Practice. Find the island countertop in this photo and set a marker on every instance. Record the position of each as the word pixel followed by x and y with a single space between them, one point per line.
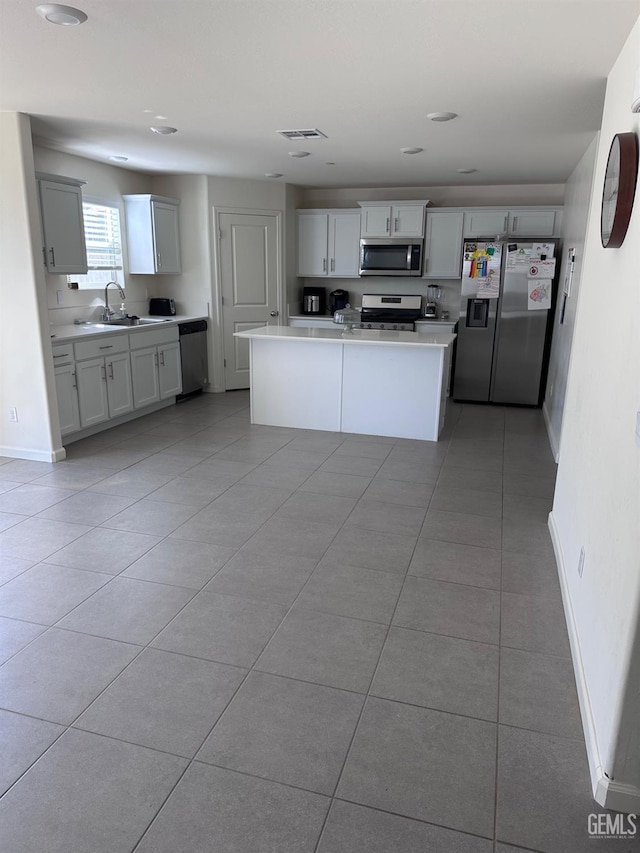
pixel 378 337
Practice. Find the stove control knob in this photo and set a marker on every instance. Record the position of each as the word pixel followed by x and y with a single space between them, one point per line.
pixel 395 325
pixel 368 325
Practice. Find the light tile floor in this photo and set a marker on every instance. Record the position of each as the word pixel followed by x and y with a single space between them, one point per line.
pixel 221 637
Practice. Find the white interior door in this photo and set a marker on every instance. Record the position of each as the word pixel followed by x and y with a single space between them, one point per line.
pixel 249 268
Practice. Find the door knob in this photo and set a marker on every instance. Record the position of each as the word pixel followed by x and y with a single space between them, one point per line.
pixel 273 313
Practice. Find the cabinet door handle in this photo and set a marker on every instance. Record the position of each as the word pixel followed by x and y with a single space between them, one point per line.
pixel 515 222
pixel 73 377
pixel 104 374
pixel 62 355
pixel 162 359
pixel 53 257
pixel 333 264
pixel 388 223
pixel 324 265
pixel 110 370
pixel 159 259
pixel 505 224
pixel 155 359
pixel 395 224
pixel 108 346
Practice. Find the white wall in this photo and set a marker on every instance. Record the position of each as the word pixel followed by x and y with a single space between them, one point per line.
pixel 470 196
pixel 108 183
pixel 575 222
pixel 597 500
pixel 26 369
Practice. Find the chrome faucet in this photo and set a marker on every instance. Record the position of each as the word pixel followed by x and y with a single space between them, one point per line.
pixel 107 314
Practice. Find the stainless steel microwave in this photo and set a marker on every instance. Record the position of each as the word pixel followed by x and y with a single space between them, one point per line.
pixel 392 257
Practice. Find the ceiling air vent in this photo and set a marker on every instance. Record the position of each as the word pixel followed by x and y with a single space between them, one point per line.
pixel 314 133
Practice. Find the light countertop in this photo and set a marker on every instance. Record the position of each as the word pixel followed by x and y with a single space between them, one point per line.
pixel 380 337
pixel 71 331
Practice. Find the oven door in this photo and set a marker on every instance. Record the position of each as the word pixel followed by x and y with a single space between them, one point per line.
pixel 391 257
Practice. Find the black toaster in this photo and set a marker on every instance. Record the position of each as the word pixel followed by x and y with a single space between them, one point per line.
pixel 162 307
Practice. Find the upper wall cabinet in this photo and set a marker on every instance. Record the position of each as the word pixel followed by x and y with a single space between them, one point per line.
pixel 62 224
pixel 393 219
pixel 153 239
pixel 443 243
pixel 328 243
pixel 491 222
pixel 532 223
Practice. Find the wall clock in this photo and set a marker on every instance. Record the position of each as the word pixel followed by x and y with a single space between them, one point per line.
pixel 618 190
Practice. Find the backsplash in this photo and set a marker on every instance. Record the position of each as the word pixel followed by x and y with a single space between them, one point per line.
pixel 450 300
pixel 66 306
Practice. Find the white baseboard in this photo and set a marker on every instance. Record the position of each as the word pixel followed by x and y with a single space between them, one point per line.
pixel 56 455
pixel 553 441
pixel 608 793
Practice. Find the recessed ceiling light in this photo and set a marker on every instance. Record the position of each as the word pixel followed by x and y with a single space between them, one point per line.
pixel 297 154
pixel 442 116
pixel 466 171
pixel 118 158
pixel 161 118
pixel 64 16
pixel 414 150
pixel 164 130
pixel 273 174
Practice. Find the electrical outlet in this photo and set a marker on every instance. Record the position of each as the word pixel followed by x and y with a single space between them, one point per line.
pixel 60 297
pixel 13 414
pixel 581 563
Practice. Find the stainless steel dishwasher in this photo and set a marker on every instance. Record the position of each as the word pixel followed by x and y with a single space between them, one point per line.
pixel 193 355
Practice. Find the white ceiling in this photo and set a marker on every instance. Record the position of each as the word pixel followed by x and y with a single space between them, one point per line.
pixel 526 77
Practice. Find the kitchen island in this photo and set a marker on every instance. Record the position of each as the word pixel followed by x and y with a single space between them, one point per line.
pixel 365 381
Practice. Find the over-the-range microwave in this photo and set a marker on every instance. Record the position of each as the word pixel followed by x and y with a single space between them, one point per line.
pixel 393 257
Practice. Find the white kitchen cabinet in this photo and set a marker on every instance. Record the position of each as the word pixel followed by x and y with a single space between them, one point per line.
pixel 396 219
pixel 328 243
pixel 64 247
pixel 169 370
pixel 144 375
pixel 517 222
pixel 443 243
pixel 155 365
pixel 67 393
pixel 104 388
pixel 486 223
pixel 153 238
pixel 532 223
pixel 103 373
pixel 92 391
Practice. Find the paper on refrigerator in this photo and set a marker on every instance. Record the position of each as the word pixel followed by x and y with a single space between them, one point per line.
pixel 539 295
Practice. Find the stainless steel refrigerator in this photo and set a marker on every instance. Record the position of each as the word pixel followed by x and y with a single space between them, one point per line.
pixel 506 315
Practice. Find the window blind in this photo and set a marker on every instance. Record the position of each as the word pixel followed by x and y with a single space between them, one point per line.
pixel 102 236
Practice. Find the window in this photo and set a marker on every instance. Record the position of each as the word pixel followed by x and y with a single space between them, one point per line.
pixel 104 244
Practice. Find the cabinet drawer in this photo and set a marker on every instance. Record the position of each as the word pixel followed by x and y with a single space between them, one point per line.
pixel 62 354
pixel 153 337
pixel 101 346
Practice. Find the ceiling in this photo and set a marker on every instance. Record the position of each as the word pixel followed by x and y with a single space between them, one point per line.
pixel 526 78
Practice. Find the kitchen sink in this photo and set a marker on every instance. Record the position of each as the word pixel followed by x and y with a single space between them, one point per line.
pixel 135 321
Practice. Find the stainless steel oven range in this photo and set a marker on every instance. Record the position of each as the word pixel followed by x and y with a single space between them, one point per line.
pixel 397 312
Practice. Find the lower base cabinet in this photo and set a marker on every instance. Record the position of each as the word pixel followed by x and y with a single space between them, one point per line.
pixel 104 388
pixel 98 379
pixel 67 393
pixel 156 374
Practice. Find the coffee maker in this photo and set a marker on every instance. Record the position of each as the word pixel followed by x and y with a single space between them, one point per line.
pixel 338 299
pixel 314 300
